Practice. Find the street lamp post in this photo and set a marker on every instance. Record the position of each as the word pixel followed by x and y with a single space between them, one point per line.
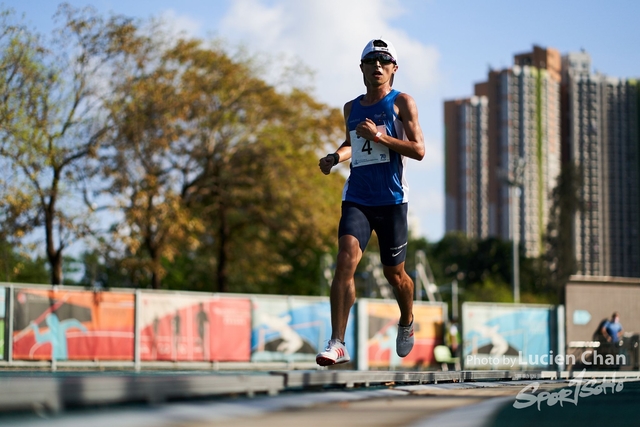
pixel 514 236
pixel 514 181
pixel 454 300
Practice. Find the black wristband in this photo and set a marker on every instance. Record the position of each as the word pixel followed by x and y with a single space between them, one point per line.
pixel 336 158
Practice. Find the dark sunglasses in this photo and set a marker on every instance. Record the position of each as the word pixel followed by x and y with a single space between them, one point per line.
pixel 382 58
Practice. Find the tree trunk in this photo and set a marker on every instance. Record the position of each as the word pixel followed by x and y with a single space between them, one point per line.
pixel 54 256
pixel 155 280
pixel 56 269
pixel 223 238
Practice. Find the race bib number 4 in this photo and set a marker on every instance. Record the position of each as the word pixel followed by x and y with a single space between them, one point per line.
pixel 365 152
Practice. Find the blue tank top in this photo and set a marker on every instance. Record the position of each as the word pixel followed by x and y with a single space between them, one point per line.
pixel 377 175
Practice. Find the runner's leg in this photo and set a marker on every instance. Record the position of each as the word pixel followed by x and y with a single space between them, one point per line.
pixel 402 289
pixel 343 288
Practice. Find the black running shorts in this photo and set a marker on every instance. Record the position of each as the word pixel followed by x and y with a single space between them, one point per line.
pixel 389 223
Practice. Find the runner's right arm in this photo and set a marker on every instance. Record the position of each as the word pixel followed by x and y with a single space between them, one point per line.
pixel 344 151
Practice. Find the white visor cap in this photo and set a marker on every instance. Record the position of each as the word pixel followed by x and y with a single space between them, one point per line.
pixel 380 45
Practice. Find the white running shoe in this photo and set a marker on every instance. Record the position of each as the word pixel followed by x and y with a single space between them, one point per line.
pixel 404 340
pixel 334 354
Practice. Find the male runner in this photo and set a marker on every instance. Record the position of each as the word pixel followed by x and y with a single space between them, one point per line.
pixel 382 131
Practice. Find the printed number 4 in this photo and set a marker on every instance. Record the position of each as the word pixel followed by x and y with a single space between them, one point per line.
pixel 367 147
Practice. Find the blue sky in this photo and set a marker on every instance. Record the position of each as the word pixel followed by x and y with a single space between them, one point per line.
pixel 444 47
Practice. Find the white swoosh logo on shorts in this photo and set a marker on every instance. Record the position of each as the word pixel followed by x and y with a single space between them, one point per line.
pixel 401 247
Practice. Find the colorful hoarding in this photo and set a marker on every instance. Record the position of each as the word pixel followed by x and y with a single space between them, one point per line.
pixel 506 336
pixel 194 327
pixel 72 325
pixel 293 329
pixel 3 292
pixel 380 320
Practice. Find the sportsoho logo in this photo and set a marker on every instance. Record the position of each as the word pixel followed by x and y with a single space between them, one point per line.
pixel 581 389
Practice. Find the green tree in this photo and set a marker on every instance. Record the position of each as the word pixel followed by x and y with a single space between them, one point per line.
pixel 293 208
pixel 481 267
pixel 269 213
pixel 17 69
pixel 559 261
pixel 143 168
pixel 216 169
pixel 52 126
pixel 484 269
pixel 18 267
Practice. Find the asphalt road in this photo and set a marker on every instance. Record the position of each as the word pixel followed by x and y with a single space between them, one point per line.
pixel 458 404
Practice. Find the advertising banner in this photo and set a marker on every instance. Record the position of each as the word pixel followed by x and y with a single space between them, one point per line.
pixel 506 336
pixel 72 325
pixel 192 327
pixel 1 339
pixel 293 329
pixel 3 304
pixel 381 321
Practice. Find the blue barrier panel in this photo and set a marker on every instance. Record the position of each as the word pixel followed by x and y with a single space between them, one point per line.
pixel 293 329
pixel 507 336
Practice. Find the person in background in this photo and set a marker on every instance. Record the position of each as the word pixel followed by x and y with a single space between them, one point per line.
pixel 453 338
pixel 612 329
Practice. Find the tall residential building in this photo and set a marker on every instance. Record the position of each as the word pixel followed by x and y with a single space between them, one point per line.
pixel 602 140
pixel 540 141
pixel 467 168
pixel 584 142
pixel 621 177
pixel 523 128
pixel 544 112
